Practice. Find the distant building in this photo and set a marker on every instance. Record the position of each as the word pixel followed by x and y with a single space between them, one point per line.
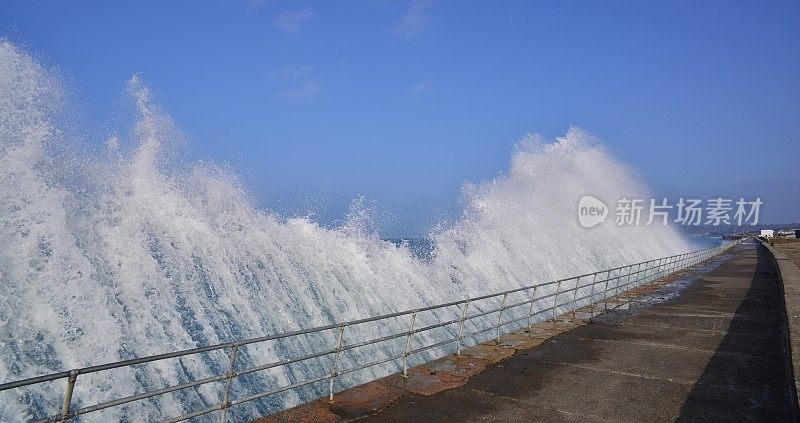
pixel 767 233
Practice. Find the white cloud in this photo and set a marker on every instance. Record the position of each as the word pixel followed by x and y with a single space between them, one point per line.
pixel 421 87
pixel 292 21
pixel 307 90
pixel 415 20
pixel 289 72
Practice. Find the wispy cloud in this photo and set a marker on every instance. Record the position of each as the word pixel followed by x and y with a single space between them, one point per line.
pixel 421 87
pixel 291 21
pixel 289 72
pixel 254 5
pixel 415 20
pixel 307 90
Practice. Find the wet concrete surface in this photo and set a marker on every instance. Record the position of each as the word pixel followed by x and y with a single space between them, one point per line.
pixel 716 352
pixel 709 345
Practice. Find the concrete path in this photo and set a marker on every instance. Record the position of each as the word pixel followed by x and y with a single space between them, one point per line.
pixel 718 352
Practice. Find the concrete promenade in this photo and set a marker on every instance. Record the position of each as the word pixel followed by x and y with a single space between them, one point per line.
pixel 717 352
pixel 707 344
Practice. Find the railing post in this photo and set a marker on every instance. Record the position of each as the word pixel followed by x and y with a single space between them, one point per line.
pixel 631 278
pixel 500 317
pixel 408 343
pixel 619 280
pixel 627 279
pixel 639 275
pixel 591 293
pixel 530 308
pixel 657 268
pixel 645 275
pixel 335 361
pixel 461 327
pixel 555 300
pixel 73 376
pixel 653 270
pixel 223 417
pixel 605 290
pixel 575 295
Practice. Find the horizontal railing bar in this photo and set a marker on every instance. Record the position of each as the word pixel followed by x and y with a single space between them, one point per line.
pixel 278 390
pixel 515 305
pixel 519 319
pixel 370 364
pixel 193 415
pixel 144 395
pixel 165 356
pixel 281 363
pixel 232 403
pixel 34 380
pixel 552 294
pixel 438 344
pixel 181 353
pixel 204 381
pixel 470 335
pixel 434 326
pixel 586 296
pixel 484 313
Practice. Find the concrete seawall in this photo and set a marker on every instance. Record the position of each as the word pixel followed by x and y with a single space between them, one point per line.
pixel 790 279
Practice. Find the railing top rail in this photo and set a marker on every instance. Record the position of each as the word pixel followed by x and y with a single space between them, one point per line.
pixel 198 350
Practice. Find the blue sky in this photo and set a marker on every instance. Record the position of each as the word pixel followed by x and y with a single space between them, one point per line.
pixel 315 103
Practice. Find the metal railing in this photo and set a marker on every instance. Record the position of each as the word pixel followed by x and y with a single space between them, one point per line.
pixel 471 324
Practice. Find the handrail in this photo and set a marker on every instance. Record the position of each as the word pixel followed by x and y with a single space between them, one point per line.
pixel 644 272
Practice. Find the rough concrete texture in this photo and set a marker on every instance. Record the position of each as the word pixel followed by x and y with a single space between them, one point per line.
pixel 711 346
pixel 790 247
pixel 790 277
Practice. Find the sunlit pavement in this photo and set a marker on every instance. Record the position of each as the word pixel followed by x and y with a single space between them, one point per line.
pixel 711 346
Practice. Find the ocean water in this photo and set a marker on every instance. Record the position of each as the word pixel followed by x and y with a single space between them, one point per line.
pixel 702 241
pixel 122 253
